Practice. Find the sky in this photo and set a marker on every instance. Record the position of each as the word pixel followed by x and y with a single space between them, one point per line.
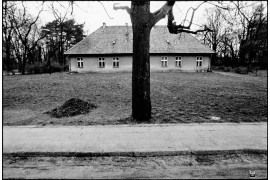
pixel 94 13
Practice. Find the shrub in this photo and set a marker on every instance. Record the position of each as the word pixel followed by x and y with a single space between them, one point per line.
pixel 42 67
pixel 215 68
pixel 66 68
pixel 221 68
pixel 241 70
pixel 56 67
pixel 37 68
pixel 29 68
pixel 228 69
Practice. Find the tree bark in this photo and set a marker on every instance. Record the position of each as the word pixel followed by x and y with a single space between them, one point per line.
pixel 141 26
pixel 8 59
pixel 23 63
pixel 142 22
pixel 24 57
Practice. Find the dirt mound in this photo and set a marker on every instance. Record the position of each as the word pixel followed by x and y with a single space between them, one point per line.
pixel 72 107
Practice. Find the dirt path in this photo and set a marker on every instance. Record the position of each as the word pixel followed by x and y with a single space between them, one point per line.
pixel 188 166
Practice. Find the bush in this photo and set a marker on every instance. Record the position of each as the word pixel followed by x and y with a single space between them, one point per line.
pixel 66 68
pixel 33 68
pixel 241 70
pixel 228 69
pixel 42 67
pixel 29 68
pixel 56 67
pixel 218 68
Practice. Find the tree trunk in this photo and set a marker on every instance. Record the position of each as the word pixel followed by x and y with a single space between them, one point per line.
pixel 214 57
pixel 23 67
pixel 141 104
pixel 8 59
pixel 23 62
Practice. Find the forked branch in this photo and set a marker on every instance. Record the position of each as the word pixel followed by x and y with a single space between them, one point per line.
pixel 176 29
pixel 162 12
pixel 192 15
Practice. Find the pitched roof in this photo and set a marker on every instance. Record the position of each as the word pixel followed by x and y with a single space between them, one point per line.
pixel 102 42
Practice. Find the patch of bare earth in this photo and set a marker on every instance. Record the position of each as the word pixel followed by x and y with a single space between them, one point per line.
pixel 176 97
pixel 72 107
pixel 228 166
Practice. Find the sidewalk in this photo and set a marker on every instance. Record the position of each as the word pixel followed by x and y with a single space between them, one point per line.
pixel 169 138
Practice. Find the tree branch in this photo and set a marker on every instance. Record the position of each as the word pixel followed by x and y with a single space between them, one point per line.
pixel 239 11
pixel 56 16
pixel 121 7
pixel 179 30
pixel 30 26
pixel 105 10
pixel 162 12
pixel 221 7
pixel 176 29
pixel 36 42
pixel 192 16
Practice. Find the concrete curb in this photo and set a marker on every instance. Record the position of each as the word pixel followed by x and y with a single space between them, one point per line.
pixel 141 125
pixel 134 154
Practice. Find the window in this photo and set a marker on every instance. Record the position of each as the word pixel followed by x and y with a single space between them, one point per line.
pixel 101 62
pixel 164 61
pixel 80 62
pixel 199 61
pixel 178 61
pixel 116 62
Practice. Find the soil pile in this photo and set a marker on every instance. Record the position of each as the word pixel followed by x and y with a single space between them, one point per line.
pixel 72 107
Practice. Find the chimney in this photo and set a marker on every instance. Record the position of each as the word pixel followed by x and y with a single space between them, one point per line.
pixel 104 25
pixel 127 29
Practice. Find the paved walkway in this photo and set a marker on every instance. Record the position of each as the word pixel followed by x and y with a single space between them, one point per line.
pixel 135 138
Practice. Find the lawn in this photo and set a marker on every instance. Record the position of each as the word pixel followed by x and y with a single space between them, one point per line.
pixel 176 97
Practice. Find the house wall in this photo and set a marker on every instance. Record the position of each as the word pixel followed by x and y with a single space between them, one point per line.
pixel 125 63
pixel 91 64
pixel 188 63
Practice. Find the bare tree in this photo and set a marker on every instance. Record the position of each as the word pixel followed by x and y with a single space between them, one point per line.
pixel 8 30
pixel 60 19
pixel 142 22
pixel 25 25
pixel 214 22
pixel 252 33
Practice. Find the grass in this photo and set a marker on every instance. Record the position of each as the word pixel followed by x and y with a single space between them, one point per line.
pixel 176 97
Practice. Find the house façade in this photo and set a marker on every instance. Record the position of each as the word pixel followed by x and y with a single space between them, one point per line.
pixel 109 49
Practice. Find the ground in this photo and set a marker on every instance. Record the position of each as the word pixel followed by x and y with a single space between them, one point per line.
pixel 177 97
pixel 178 167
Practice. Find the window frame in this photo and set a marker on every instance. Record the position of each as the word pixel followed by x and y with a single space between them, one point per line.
pixel 199 61
pixel 115 60
pixel 79 62
pixel 101 60
pixel 164 59
pixel 178 61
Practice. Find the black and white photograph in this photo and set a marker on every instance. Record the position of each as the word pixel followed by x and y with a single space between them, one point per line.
pixel 134 89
